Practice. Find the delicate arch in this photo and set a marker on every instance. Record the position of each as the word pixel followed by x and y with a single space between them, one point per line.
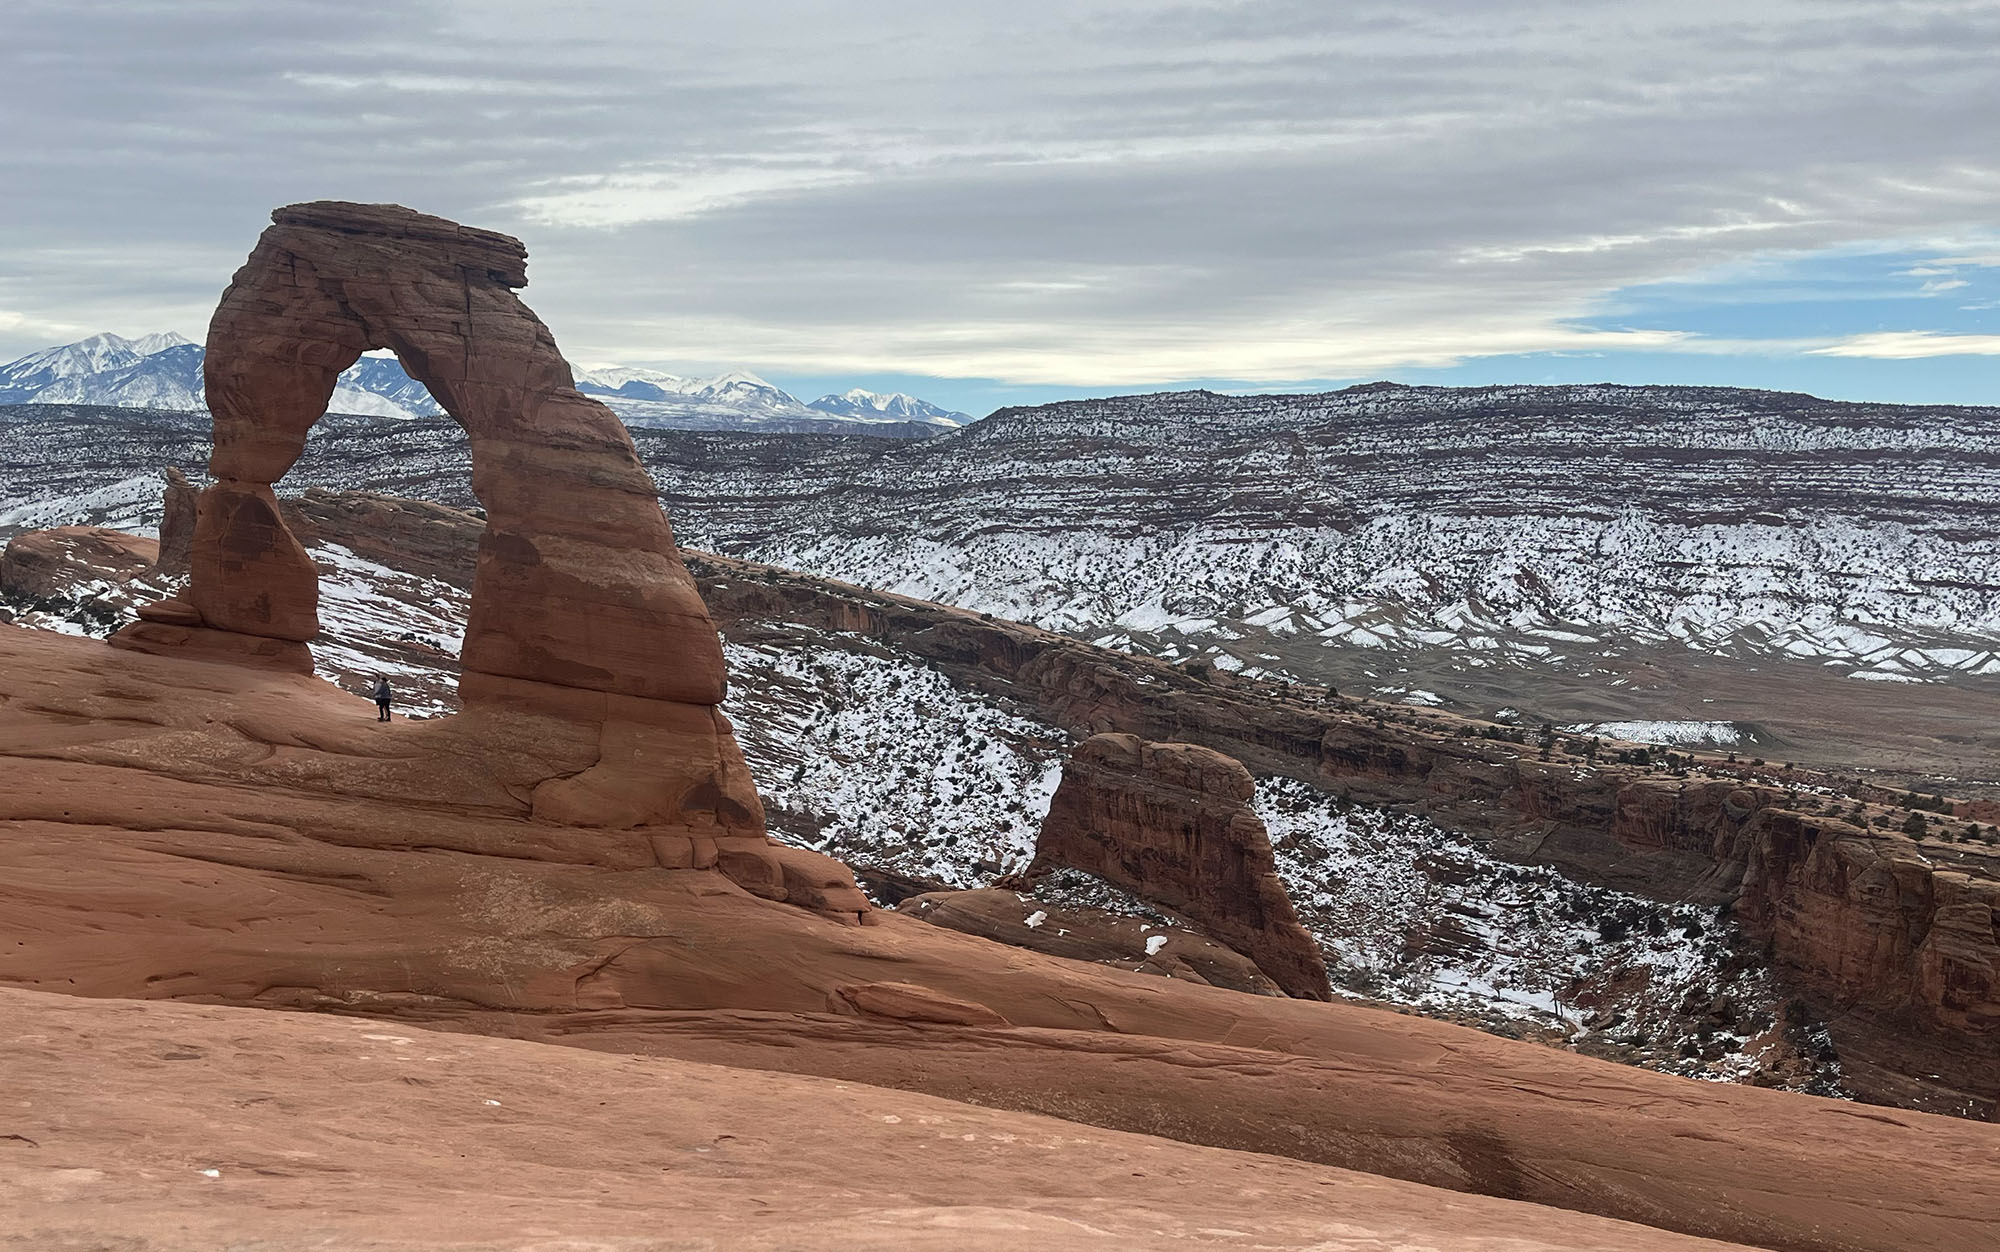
pixel 578 582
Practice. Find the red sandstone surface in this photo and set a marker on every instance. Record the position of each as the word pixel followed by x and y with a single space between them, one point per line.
pixel 176 1128
pixel 181 829
pixel 579 859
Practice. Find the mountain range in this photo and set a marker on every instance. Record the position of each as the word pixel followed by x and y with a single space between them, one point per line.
pixel 163 371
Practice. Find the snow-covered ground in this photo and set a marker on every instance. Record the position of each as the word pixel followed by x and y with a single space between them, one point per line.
pixel 1674 734
pixel 1408 912
pixel 378 622
pixel 1540 527
pixel 1877 599
pixel 879 758
pixel 129 504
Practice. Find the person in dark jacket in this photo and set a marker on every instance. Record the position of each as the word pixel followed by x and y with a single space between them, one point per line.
pixel 381 698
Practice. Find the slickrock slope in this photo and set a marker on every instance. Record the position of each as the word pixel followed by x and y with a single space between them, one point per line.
pixel 174 1128
pixel 175 828
pixel 1172 823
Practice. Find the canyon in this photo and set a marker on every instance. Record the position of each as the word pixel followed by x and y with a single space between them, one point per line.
pixel 1886 942
pixel 573 873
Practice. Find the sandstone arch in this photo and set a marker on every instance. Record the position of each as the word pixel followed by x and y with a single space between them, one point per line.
pixel 584 622
pixel 578 582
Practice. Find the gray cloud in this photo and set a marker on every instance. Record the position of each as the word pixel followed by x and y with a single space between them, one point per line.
pixel 1088 193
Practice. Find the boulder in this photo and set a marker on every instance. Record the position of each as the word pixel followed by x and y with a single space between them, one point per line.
pixel 1090 934
pixel 1172 823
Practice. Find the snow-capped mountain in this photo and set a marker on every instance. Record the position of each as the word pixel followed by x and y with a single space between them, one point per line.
pixel 740 400
pixel 737 391
pixel 160 341
pixel 376 385
pixel 169 378
pixel 163 371
pixel 23 380
pixel 855 402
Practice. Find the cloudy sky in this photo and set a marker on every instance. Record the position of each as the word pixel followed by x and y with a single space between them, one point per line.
pixel 1012 201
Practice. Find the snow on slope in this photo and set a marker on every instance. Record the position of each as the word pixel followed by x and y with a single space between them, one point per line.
pixel 879 759
pixel 130 504
pixel 1673 734
pixel 1538 525
pixel 370 616
pixel 856 402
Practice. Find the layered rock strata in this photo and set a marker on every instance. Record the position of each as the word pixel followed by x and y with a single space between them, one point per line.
pixel 1893 944
pixel 1172 824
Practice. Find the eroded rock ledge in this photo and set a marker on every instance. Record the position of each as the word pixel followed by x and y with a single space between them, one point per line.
pixel 1172 823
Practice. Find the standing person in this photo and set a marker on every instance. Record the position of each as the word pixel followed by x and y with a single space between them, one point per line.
pixel 381 698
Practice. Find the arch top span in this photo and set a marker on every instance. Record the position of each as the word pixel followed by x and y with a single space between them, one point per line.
pixel 578 583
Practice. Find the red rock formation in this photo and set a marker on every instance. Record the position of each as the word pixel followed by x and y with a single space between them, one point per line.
pixel 578 582
pixel 177 517
pixel 1172 823
pixel 581 609
pixel 397 1139
pixel 174 830
pixel 42 564
pixel 1853 914
pixel 1900 1002
pixel 247 573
